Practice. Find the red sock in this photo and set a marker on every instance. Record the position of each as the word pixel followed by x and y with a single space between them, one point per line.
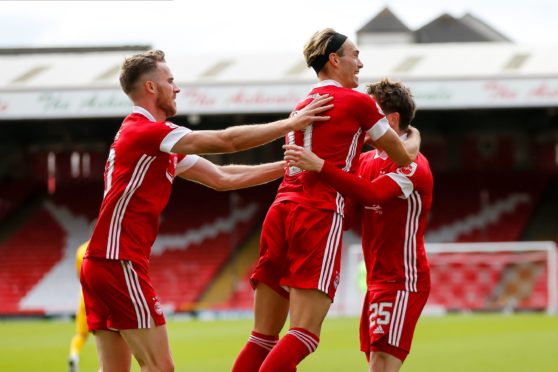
pixel 296 345
pixel 254 352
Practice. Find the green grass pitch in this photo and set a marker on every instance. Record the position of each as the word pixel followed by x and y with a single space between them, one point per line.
pixel 490 342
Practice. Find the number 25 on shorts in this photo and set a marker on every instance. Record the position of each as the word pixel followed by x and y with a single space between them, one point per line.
pixel 380 313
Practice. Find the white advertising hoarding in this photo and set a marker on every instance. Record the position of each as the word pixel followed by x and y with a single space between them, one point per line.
pixel 278 98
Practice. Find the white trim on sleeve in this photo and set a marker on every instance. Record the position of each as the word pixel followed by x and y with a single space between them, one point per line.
pixel 186 163
pixel 172 138
pixel 404 183
pixel 379 129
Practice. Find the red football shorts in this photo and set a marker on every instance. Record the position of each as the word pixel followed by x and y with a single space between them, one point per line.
pixel 300 247
pixel 118 295
pixel 388 321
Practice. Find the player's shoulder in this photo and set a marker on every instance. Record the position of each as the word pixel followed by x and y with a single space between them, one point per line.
pixel 364 103
pixel 142 126
pixel 367 162
pixel 358 96
pixel 420 168
pixel 422 162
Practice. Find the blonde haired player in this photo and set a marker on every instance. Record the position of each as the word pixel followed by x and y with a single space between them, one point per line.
pixel 300 249
pixel 81 320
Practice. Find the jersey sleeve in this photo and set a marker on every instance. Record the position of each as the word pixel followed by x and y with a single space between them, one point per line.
pixel 409 178
pixel 186 163
pixel 173 136
pixel 365 192
pixel 374 120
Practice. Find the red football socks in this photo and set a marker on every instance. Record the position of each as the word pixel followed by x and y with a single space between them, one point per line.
pixel 296 345
pixel 254 352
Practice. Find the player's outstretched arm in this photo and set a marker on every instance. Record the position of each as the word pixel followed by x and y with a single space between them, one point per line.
pixel 232 177
pixel 363 191
pixel 243 137
pixel 402 153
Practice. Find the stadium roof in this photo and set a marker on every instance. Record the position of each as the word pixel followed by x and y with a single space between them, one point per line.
pixel 447 28
pixel 445 75
pixel 90 70
pixel 386 27
pixel 79 49
pixel 385 21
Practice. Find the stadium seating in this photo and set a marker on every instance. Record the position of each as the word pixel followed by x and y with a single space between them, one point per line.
pixel 488 281
pixel 208 230
pixel 472 206
pixel 71 195
pixel 14 194
pixel 242 294
pixel 201 230
pixel 26 257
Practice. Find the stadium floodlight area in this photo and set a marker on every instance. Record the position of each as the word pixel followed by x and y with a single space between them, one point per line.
pixel 497 277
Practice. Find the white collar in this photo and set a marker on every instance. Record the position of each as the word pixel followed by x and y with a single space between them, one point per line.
pixel 140 110
pixel 382 154
pixel 324 83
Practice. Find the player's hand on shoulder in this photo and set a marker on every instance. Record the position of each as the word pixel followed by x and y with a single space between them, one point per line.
pixel 312 112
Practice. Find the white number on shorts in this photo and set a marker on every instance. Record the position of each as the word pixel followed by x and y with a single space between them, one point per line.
pixel 380 313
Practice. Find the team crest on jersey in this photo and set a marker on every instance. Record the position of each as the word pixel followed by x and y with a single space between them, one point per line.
pixel 408 171
pixel 336 280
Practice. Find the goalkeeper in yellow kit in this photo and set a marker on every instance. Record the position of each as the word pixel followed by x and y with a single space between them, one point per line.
pixel 81 321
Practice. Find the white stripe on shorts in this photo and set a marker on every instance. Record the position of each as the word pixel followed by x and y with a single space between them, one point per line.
pixel 332 244
pixel 399 311
pixel 136 294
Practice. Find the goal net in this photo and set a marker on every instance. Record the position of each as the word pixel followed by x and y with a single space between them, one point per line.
pixel 508 276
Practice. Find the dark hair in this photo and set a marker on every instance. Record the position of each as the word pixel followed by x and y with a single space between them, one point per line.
pixel 394 97
pixel 134 67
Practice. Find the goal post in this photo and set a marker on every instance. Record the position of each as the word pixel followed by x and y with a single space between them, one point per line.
pixel 492 276
pixel 510 275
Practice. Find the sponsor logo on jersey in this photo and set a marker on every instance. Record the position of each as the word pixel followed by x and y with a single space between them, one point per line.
pixel 376 208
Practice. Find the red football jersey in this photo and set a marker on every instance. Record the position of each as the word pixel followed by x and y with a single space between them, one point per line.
pixel 393 232
pixel 138 177
pixel 338 140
